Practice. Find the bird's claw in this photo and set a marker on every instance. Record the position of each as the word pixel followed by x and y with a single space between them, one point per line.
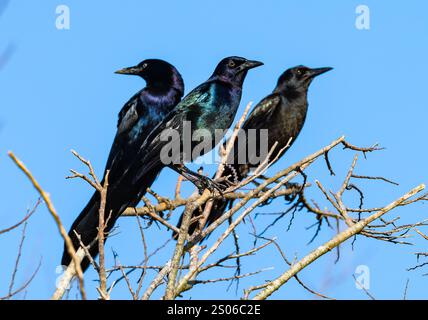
pixel 292 185
pixel 292 196
pixel 206 183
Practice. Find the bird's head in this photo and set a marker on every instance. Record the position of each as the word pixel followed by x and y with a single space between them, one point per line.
pixel 299 77
pixel 157 73
pixel 234 69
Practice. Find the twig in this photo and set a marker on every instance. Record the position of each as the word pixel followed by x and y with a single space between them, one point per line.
pixel 157 281
pixel 338 239
pixel 27 216
pixel 25 285
pixel 179 248
pixel 18 258
pixel 235 277
pixel 101 227
pixel 355 176
pixel 46 198
pixel 364 288
pixel 405 289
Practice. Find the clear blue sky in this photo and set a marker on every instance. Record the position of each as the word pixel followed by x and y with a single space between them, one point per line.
pixel 58 92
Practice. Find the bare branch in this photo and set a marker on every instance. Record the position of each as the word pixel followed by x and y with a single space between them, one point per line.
pixel 46 198
pixel 338 239
pixel 27 216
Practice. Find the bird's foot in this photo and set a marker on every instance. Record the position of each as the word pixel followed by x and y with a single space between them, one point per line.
pixel 203 182
pixel 292 185
pixel 296 187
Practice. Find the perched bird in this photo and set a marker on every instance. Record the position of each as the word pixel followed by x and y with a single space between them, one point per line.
pixel 138 117
pixel 209 107
pixel 283 114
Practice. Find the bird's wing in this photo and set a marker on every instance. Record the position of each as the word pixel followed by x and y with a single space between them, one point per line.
pixel 152 148
pixel 187 110
pixel 129 114
pixel 262 112
pixel 259 118
pixel 128 117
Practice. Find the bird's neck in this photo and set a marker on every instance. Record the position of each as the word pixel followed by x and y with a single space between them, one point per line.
pixel 161 97
pixel 235 82
pixel 294 94
pixel 163 94
pixel 158 88
pixel 232 89
pixel 163 87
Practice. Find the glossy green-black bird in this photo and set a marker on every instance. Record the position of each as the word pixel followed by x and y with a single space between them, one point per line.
pixel 139 116
pixel 209 108
pixel 282 113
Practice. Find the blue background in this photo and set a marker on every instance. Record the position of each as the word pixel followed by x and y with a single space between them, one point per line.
pixel 58 92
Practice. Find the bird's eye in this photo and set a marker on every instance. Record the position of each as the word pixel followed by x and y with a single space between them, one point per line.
pixel 301 72
pixel 144 65
pixel 232 64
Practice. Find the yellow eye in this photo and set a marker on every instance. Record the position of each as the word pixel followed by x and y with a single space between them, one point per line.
pixel 300 71
pixel 231 64
pixel 144 65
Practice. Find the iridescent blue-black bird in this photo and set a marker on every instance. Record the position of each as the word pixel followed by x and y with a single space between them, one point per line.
pixel 209 107
pixel 282 113
pixel 139 116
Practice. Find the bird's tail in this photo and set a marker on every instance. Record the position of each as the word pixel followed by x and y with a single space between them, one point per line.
pixel 86 226
pixel 119 197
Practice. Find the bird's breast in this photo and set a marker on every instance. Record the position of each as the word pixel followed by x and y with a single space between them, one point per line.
pixel 221 109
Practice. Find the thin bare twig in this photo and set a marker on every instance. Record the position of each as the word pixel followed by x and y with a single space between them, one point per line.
pixel 27 216
pixel 46 198
pixel 338 239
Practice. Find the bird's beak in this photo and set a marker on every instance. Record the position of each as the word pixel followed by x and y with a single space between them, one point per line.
pixel 130 70
pixel 249 64
pixel 319 71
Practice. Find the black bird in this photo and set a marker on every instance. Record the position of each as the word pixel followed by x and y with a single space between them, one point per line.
pixel 283 114
pixel 139 116
pixel 209 107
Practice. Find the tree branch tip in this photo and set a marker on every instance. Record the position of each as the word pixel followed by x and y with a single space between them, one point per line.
pixel 176 283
